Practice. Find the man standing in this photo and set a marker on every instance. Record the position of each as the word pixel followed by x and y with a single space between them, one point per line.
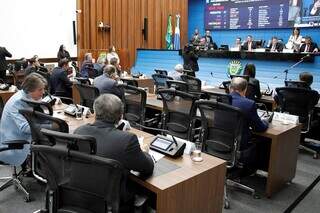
pixel 3 63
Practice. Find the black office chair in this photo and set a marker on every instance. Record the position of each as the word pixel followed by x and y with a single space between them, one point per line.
pixel 194 83
pixel 296 84
pixel 88 94
pixel 160 81
pixel 35 119
pixel 79 181
pixel 15 179
pixel 251 92
pixel 43 107
pixel 161 71
pixel 130 81
pixel 1 107
pixel 221 136
pixel 16 80
pixel 134 100
pixel 222 98
pixel 83 80
pixel 300 102
pixel 178 85
pixel 177 112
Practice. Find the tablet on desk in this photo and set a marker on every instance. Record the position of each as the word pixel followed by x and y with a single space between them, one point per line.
pixel 161 143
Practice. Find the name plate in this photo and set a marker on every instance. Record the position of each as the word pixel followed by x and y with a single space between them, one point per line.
pixel 285 118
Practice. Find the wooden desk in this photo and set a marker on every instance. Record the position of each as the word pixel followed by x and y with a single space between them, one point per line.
pixel 6 94
pixel 285 140
pixel 191 187
pixel 284 150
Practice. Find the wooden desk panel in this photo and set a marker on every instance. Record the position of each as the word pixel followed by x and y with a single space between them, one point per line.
pixel 5 95
pixel 193 187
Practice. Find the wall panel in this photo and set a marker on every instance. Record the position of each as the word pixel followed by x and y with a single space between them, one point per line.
pixel 126 20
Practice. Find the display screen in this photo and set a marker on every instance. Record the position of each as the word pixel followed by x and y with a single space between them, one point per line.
pixel 161 143
pixel 261 14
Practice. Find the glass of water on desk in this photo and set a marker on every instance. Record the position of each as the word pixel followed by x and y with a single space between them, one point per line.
pixel 196 152
pixel 79 114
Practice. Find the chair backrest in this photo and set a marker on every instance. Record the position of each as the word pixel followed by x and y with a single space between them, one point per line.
pixel 246 77
pixel 160 71
pixel 221 132
pixel 130 81
pixel 177 112
pixel 43 107
pixel 46 75
pixel 88 94
pixel 83 143
pixel 160 81
pixel 298 101
pixel 296 84
pixel 219 97
pixel 83 80
pixel 251 91
pixel 194 83
pixel 87 183
pixel 1 107
pixel 178 85
pixel 134 104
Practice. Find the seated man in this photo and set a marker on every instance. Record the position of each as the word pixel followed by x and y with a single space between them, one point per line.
pixel 13 125
pixel 209 44
pixel 113 143
pixel 60 83
pixel 275 45
pixel 306 77
pixel 107 82
pixel 33 65
pixel 309 46
pixel 176 74
pixel 238 89
pixel 249 45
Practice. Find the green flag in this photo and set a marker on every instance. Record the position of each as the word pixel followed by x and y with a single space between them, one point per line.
pixel 169 34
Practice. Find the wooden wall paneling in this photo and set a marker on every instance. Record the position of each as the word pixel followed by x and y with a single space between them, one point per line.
pixel 126 20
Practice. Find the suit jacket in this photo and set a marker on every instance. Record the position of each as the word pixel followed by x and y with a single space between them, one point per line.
pixel 311 48
pixel 278 48
pixel 3 54
pixel 119 145
pixel 249 108
pixel 245 45
pixel 107 85
pixel 60 83
pixel 190 61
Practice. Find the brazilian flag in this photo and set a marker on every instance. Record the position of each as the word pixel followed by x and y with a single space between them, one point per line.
pixel 169 34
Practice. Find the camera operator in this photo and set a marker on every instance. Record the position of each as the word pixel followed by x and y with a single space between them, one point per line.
pixel 190 59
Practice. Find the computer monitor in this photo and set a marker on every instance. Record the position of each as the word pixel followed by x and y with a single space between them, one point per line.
pixel 224 47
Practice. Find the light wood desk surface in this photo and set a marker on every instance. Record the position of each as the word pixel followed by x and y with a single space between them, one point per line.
pixel 192 187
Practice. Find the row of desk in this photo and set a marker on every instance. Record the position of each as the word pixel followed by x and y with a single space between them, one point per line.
pixel 188 187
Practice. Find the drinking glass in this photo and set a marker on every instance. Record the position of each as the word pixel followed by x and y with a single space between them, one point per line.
pixel 79 114
pixel 196 152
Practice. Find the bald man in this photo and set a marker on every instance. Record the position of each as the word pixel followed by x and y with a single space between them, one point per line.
pixel 238 88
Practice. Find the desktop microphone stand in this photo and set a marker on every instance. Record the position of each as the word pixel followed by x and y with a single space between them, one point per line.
pixel 286 71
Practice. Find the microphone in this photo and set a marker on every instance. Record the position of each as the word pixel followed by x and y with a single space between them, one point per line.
pixel 305 57
pixel 163 145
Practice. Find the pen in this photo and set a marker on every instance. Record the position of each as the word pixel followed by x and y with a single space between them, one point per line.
pixel 153 159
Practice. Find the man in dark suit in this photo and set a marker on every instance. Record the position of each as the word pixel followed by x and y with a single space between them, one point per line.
pixel 209 44
pixel 107 82
pixel 309 46
pixel 59 81
pixel 113 143
pixel 275 45
pixel 249 45
pixel 238 89
pixel 3 63
pixel 190 59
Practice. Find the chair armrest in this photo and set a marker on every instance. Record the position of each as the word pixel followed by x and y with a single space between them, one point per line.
pixel 16 144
